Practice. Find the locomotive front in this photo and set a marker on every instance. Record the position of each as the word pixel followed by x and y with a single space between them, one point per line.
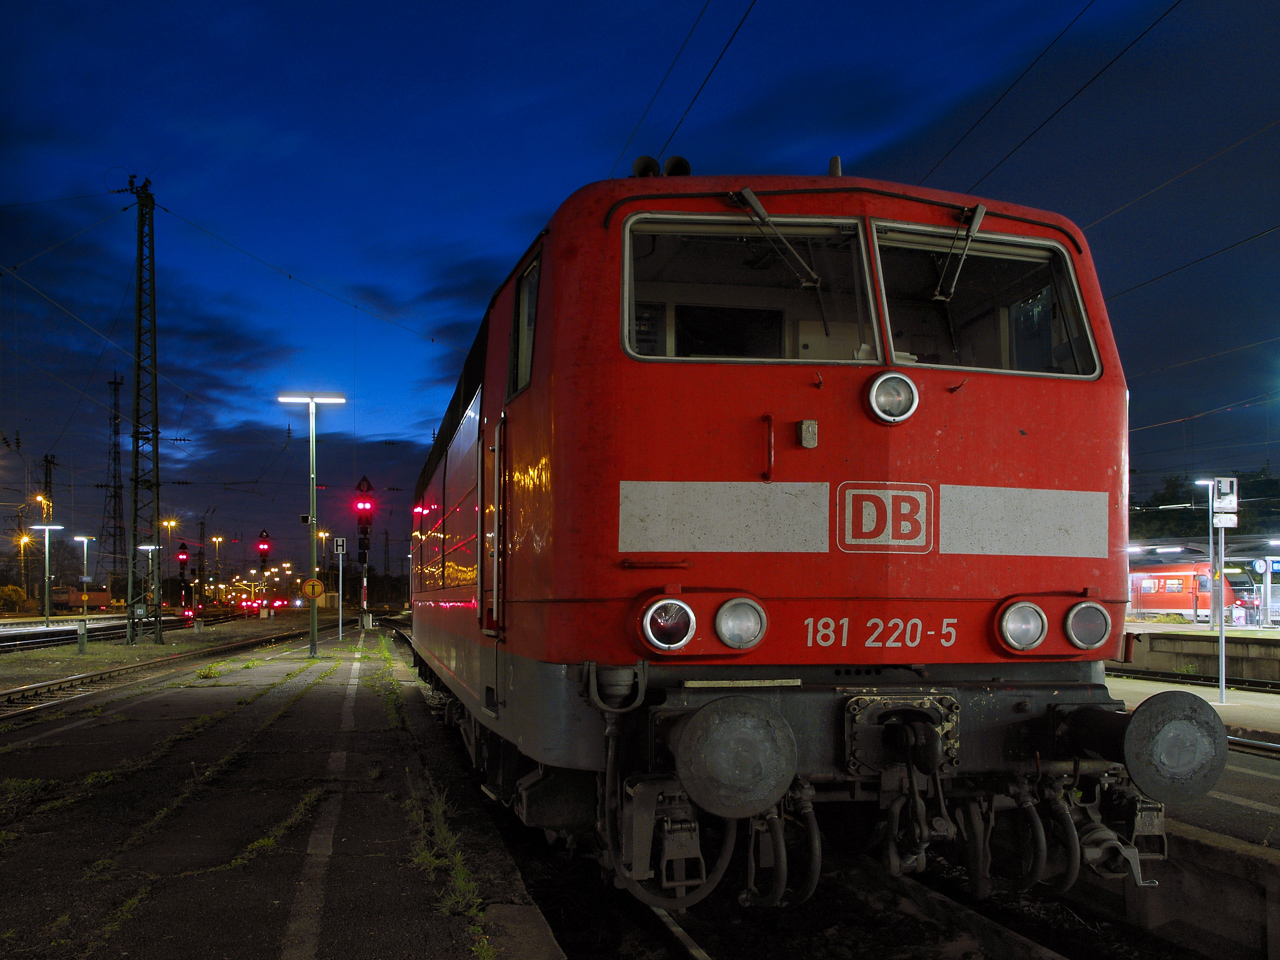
pixel 855 552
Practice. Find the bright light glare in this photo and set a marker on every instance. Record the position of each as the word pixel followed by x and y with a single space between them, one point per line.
pixel 312 398
pixel 1168 549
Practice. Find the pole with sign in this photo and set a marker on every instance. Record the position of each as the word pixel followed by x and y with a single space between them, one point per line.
pixel 340 548
pixel 1224 515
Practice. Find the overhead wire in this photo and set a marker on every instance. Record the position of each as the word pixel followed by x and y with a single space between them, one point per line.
pixel 1007 91
pixel 1207 256
pixel 94 369
pixel 125 350
pixel 1071 98
pixel 708 77
pixel 1239 404
pixel 33 203
pixel 623 152
pixel 1207 356
pixel 19 266
pixel 321 290
pixel 1191 169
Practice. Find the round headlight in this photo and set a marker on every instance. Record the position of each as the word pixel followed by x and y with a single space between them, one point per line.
pixel 1024 626
pixel 1088 625
pixel 669 624
pixel 893 396
pixel 740 623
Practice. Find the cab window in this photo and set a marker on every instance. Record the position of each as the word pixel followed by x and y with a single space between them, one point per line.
pixel 526 316
pixel 1000 305
pixel 728 290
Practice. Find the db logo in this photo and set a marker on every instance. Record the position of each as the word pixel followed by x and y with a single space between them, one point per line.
pixel 884 518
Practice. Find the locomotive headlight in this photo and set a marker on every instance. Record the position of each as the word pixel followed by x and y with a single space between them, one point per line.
pixel 1024 626
pixel 1088 625
pixel 740 623
pixel 669 624
pixel 893 396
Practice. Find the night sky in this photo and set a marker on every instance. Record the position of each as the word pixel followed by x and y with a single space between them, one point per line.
pixel 340 190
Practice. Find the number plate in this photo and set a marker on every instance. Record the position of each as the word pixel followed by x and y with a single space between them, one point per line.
pixel 877 633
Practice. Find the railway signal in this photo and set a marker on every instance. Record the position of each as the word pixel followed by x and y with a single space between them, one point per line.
pixel 264 549
pixel 364 526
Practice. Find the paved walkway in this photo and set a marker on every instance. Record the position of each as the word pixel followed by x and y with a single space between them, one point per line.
pixel 273 806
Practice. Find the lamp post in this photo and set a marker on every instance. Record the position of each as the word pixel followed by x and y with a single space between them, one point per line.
pixel 168 525
pixel 1213 594
pixel 22 551
pixel 84 576
pixel 46 527
pixel 324 539
pixel 217 570
pixel 311 399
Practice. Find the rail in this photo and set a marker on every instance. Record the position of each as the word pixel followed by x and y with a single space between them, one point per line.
pixel 114 630
pixel 31 690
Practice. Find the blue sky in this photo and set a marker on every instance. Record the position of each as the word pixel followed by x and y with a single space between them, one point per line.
pixel 341 189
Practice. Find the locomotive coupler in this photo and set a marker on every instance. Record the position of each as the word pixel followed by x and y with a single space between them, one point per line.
pixel 659 806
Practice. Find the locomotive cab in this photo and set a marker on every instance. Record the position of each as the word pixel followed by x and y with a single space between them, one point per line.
pixel 764 496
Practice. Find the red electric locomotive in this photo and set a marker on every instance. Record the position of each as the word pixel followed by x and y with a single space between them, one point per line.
pixel 765 494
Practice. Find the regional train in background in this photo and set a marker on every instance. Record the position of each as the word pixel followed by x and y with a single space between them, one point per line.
pixel 769 508
pixel 1186 590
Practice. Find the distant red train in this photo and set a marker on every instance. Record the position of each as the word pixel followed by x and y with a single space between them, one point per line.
pixel 765 495
pixel 1176 588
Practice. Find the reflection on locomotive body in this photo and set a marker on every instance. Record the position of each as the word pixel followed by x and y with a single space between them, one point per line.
pixel 772 507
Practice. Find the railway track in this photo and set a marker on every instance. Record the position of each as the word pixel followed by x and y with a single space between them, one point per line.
pixel 21 701
pixel 66 634
pixel 1195 679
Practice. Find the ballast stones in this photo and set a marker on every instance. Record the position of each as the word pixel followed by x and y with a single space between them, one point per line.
pixel 736 756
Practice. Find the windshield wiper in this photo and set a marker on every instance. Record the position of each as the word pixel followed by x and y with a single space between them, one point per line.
pixel 746 197
pixel 974 223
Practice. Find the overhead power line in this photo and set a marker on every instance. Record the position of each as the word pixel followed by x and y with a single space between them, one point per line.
pixel 1207 256
pixel 1007 91
pixel 321 290
pixel 1064 105
pixel 1247 402
pixel 1207 356
pixel 623 152
pixel 1191 169
pixel 708 77
pixel 33 203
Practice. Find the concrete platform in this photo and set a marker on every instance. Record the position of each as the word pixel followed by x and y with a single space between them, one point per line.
pixel 1219 889
pixel 273 807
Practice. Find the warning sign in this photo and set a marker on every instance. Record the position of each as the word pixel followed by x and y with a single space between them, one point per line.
pixel 312 588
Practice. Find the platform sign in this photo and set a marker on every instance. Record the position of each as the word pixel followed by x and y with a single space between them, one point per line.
pixel 312 588
pixel 1224 495
pixel 339 544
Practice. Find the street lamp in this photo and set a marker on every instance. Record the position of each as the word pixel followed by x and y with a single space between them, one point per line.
pixel 311 399
pixel 46 527
pixel 324 538
pixel 22 552
pixel 217 570
pixel 84 577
